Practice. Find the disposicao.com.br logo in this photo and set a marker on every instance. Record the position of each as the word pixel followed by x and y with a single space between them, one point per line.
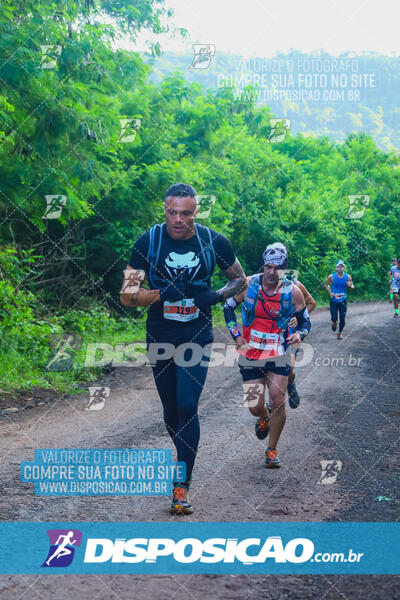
pixel 213 550
pixel 200 547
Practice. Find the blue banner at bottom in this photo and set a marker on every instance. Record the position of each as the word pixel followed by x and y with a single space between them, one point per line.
pixel 214 548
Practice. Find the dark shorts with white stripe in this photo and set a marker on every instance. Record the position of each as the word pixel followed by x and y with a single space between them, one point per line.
pixel 251 368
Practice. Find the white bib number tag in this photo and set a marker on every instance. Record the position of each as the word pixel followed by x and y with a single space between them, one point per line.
pixel 181 310
pixel 263 341
pixel 339 295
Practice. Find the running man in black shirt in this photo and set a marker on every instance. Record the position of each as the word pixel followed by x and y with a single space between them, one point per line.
pixel 178 259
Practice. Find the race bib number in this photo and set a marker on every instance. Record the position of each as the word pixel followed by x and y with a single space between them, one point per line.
pixel 339 296
pixel 264 341
pixel 181 310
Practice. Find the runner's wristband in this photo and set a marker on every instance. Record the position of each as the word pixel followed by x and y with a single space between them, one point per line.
pixel 230 317
pixel 303 322
pixel 234 329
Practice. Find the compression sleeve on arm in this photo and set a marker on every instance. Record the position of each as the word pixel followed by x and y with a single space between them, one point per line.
pixel 303 322
pixel 230 317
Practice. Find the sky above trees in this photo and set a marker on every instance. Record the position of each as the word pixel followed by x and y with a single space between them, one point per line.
pixel 261 28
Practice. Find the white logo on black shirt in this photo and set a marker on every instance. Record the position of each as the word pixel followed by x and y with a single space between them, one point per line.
pixel 175 262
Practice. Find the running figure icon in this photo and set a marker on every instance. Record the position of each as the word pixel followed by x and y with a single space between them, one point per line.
pixel 62 549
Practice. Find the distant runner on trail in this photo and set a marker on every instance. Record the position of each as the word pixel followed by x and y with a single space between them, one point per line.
pixel 178 258
pixel 393 267
pixel 336 285
pixel 265 359
pixel 293 396
pixel 396 287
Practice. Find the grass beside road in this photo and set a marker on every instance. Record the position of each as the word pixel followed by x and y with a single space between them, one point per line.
pixel 50 353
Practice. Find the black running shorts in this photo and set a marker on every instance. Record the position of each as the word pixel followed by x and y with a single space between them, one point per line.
pixel 256 369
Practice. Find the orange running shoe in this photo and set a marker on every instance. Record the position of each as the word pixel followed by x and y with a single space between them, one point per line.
pixel 271 458
pixel 262 428
pixel 180 501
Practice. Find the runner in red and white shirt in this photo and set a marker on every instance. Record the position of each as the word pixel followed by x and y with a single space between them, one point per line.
pixel 264 347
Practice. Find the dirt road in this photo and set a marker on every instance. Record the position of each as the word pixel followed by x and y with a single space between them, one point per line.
pixel 349 412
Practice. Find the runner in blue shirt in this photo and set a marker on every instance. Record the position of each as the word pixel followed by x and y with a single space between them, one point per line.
pixel 336 285
pixel 396 287
pixel 393 267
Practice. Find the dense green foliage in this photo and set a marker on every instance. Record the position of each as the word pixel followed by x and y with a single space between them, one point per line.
pixel 61 136
pixel 30 336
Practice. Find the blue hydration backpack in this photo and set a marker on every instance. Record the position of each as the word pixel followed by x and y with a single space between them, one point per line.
pixel 206 249
pixel 249 305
